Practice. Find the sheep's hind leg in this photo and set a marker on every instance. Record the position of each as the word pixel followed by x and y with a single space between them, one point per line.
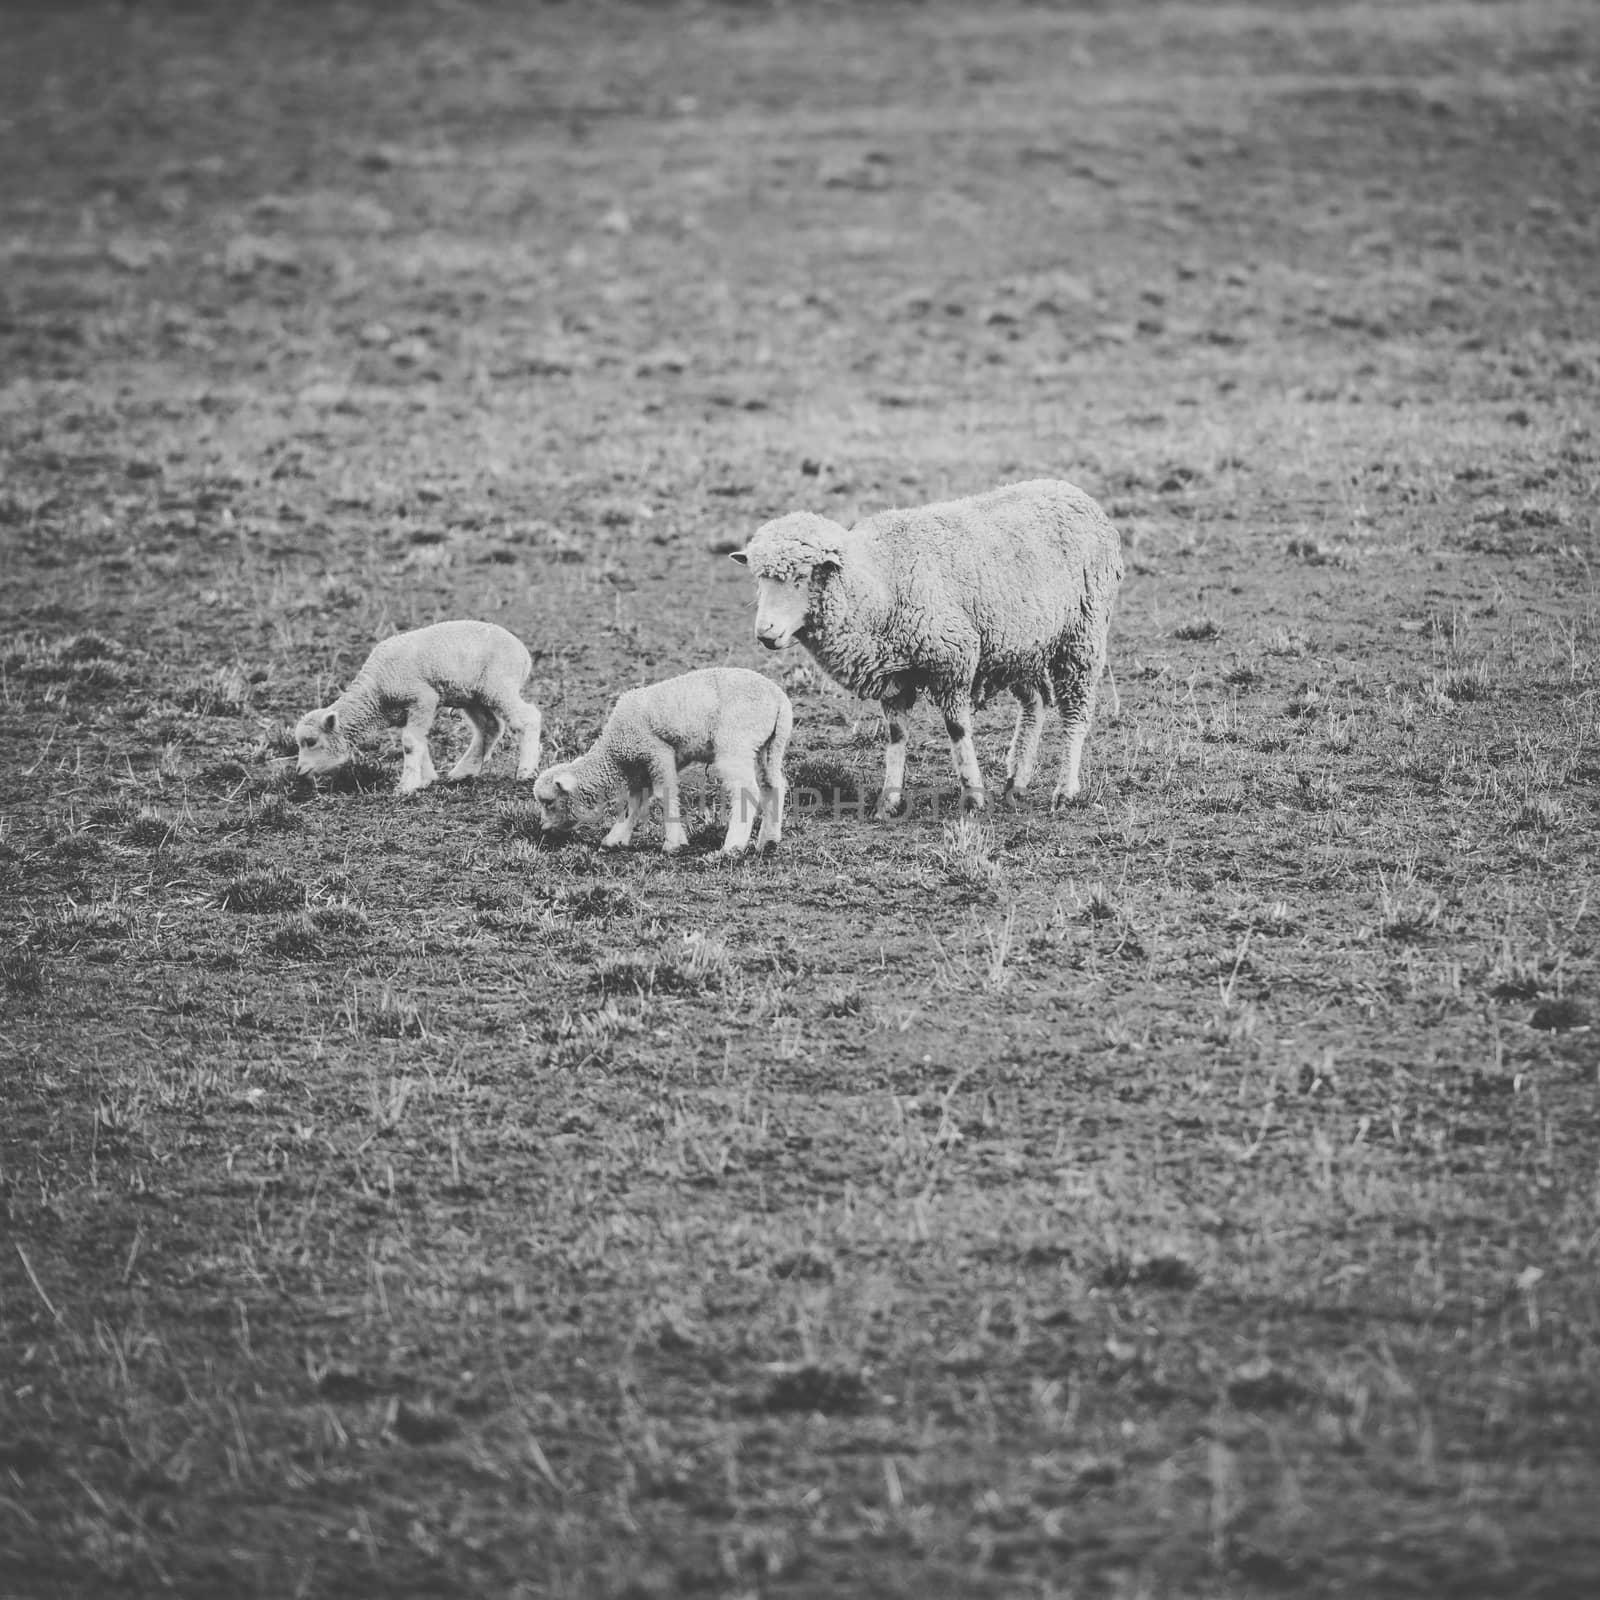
pixel 417 771
pixel 773 790
pixel 485 736
pixel 1075 685
pixel 898 710
pixel 1022 760
pixel 525 721
pixel 737 775
pixel 622 830
pixel 958 724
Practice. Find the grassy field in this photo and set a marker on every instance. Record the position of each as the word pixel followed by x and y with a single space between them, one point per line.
pixel 1191 1193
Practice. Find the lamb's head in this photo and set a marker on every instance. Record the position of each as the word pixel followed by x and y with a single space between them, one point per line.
pixel 555 793
pixel 320 742
pixel 788 557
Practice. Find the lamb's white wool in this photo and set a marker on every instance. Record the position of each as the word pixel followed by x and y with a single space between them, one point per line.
pixel 476 666
pixel 1007 590
pixel 734 720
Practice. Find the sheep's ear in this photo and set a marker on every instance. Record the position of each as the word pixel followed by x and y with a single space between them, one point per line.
pixel 741 556
pixel 330 721
pixel 563 782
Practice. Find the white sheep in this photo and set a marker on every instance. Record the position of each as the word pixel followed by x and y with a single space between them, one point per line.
pixel 1007 590
pixel 476 666
pixel 733 719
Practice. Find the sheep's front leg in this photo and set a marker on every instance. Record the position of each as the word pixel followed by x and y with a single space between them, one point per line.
pixel 898 710
pixel 737 775
pixel 1022 760
pixel 664 780
pixel 485 734
pixel 622 830
pixel 958 724
pixel 417 770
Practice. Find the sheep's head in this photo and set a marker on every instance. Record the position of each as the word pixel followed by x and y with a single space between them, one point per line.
pixel 320 742
pixel 555 793
pixel 788 556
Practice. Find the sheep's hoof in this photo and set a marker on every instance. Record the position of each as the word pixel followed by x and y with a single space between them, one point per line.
pixel 674 847
pixel 972 800
pixel 1060 800
pixel 888 807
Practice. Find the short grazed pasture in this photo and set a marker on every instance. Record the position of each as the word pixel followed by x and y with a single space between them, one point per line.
pixel 1193 1193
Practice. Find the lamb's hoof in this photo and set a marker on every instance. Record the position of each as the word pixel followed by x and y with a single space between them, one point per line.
pixel 972 800
pixel 1060 801
pixel 674 847
pixel 889 807
pixel 767 847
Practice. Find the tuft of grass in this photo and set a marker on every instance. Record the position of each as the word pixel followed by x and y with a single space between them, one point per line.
pixel 278 815
pixel 152 829
pixel 702 965
pixel 1540 813
pixel 1198 630
pixel 967 854
pixel 821 783
pixel 222 692
pixel 518 819
pixel 21 970
pixel 259 892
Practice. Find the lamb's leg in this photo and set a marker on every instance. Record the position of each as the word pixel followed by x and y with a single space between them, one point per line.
pixel 773 790
pixel 417 770
pixel 1075 684
pixel 525 721
pixel 485 735
pixel 958 724
pixel 1022 760
pixel 622 831
pixel 664 780
pixel 898 710
pixel 736 772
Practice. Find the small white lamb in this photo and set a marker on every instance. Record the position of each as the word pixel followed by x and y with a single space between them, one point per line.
pixel 476 666
pixel 733 719
pixel 1010 590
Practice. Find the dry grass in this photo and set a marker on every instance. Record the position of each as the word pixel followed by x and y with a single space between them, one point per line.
pixel 1188 1193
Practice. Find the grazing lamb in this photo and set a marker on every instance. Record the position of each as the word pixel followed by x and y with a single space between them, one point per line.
pixel 733 719
pixel 1007 590
pixel 477 666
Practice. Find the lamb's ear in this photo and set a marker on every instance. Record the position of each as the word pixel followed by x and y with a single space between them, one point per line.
pixel 741 556
pixel 330 721
pixel 564 783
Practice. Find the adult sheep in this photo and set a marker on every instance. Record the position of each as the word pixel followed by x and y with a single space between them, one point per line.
pixel 1007 590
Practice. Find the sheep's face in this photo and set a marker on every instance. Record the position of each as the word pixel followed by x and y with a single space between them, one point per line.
pixel 555 794
pixel 320 743
pixel 781 610
pixel 787 557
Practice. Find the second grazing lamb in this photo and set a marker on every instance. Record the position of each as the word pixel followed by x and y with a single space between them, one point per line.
pixel 1010 590
pixel 734 720
pixel 476 666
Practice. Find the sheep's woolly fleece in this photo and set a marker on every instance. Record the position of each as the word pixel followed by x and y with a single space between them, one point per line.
pixel 791 548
